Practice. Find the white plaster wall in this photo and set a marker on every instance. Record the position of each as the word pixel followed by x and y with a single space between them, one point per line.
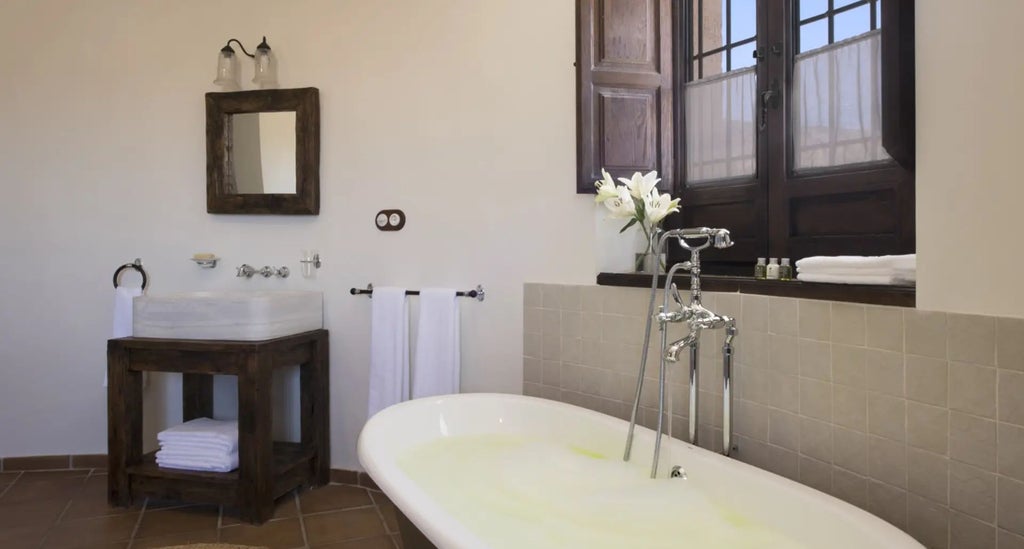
pixel 970 188
pixel 459 112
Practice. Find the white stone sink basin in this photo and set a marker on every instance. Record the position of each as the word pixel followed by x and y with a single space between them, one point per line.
pixel 236 315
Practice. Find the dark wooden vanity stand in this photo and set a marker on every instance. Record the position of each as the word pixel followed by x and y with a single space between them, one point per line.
pixel 267 469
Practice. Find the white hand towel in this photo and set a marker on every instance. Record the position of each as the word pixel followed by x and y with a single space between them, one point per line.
pixel 123 296
pixel 205 429
pixel 880 280
pixel 122 325
pixel 436 367
pixel 389 349
pixel 904 262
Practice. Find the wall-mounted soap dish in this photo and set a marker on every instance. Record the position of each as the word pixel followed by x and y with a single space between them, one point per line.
pixel 206 262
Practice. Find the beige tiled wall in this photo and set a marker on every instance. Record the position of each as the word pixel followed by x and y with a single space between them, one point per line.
pixel 916 416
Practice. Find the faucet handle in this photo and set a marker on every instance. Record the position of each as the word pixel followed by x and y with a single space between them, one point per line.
pixel 675 295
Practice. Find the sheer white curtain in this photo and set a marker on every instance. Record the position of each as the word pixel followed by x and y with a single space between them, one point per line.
pixel 720 126
pixel 837 113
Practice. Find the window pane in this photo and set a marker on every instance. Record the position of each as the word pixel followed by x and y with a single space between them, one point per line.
pixel 714 64
pixel 810 8
pixel 744 21
pixel 743 56
pixel 836 108
pixel 813 35
pixel 712 26
pixel 878 14
pixel 720 127
pixel 853 22
pixel 840 3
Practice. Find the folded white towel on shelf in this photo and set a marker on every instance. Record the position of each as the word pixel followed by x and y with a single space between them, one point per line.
pixel 176 451
pixel 199 446
pixel 436 366
pixel 879 280
pixel 389 349
pixel 818 263
pixel 223 464
pixel 205 430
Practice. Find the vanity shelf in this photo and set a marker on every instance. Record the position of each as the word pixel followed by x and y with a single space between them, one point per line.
pixel 267 469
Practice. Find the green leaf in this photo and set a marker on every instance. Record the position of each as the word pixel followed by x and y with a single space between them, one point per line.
pixel 628 225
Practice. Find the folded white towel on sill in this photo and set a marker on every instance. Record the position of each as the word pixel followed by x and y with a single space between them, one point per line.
pixel 435 368
pixel 223 464
pixel 877 280
pixel 907 262
pixel 903 273
pixel 206 430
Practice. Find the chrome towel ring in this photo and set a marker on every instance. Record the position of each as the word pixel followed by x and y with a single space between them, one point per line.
pixel 137 265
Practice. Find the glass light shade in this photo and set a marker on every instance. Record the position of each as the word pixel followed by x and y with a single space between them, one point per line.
pixel 227 71
pixel 266 69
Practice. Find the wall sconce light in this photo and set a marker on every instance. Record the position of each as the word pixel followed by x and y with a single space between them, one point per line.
pixel 265 76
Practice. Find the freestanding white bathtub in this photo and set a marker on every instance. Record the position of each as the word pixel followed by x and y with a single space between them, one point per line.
pixel 508 471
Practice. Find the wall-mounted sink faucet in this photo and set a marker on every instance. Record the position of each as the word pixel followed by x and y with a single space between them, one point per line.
pixel 698 318
pixel 267 271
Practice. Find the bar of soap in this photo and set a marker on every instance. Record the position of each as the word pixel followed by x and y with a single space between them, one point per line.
pixel 203 256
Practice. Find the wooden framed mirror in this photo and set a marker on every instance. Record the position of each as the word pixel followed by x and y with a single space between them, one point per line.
pixel 263 152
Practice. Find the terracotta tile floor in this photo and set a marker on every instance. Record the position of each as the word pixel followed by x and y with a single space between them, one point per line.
pixel 68 509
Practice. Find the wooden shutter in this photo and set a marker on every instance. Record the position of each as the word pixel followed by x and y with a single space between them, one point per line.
pixel 898 113
pixel 624 86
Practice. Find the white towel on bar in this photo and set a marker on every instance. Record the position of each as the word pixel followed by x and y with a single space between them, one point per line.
pixel 228 462
pixel 436 368
pixel 821 263
pixel 202 429
pixel 389 349
pixel 879 280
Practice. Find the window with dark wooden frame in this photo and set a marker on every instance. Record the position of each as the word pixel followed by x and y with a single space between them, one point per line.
pixel 792 122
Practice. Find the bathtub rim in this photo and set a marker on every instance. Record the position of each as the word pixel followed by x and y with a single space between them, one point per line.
pixel 442 529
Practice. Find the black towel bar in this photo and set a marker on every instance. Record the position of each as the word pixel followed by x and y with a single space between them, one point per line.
pixel 477 293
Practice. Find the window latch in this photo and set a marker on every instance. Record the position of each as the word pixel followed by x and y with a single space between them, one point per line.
pixel 769 99
pixel 759 53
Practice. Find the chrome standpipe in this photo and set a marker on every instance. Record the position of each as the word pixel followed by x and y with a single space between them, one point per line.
pixel 698 318
pixel 730 333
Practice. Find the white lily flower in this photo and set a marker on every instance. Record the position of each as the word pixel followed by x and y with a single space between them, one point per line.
pixel 641 185
pixel 657 206
pixel 621 205
pixel 605 187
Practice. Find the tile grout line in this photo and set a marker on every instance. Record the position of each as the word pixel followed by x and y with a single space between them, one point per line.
pixel 138 522
pixel 8 487
pixel 384 523
pixel 302 523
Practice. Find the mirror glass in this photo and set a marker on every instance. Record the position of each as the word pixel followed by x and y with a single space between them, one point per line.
pixel 263 156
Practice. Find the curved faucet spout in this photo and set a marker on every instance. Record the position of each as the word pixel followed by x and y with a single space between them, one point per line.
pixel 672 352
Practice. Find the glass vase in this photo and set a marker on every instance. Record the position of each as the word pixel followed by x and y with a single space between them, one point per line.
pixel 647 261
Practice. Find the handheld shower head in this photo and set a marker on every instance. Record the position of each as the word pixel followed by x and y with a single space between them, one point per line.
pixel 719 238
pixel 722 238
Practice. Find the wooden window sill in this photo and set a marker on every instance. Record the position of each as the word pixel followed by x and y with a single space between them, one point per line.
pixel 900 296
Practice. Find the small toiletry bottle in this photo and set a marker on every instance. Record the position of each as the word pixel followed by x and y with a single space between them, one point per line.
pixel 760 270
pixel 773 269
pixel 785 270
